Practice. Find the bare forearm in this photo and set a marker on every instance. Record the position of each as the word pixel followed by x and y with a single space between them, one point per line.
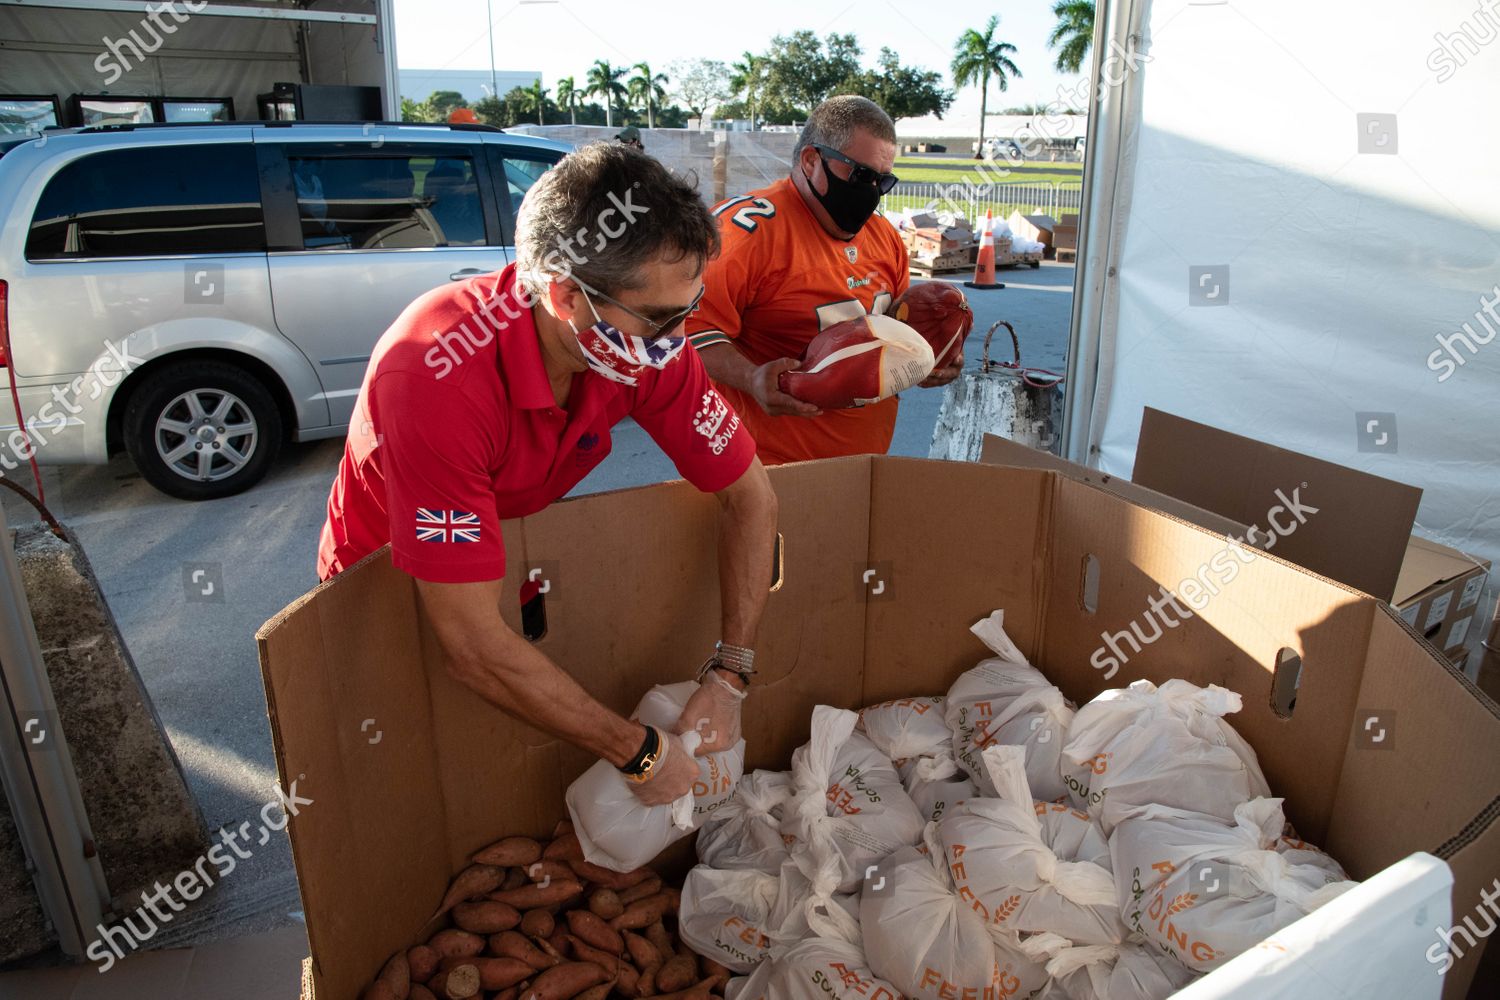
pixel 519 680
pixel 727 366
pixel 747 536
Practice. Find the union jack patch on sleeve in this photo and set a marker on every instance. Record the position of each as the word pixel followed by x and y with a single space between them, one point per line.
pixel 446 525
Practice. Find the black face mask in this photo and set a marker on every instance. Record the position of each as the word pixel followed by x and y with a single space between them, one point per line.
pixel 849 205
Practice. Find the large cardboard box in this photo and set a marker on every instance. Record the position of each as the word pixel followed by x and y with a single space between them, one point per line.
pixel 393 818
pixel 1437 593
pixel 1065 233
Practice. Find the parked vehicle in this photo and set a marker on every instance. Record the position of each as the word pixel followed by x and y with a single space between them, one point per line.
pixel 196 295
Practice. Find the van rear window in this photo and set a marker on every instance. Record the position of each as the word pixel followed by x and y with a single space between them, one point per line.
pixel 153 201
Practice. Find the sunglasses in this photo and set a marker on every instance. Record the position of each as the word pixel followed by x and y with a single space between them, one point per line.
pixel 858 172
pixel 658 329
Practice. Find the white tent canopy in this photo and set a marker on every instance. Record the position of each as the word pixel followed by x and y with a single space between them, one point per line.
pixel 1326 174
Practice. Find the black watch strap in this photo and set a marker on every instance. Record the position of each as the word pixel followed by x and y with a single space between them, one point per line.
pixel 645 756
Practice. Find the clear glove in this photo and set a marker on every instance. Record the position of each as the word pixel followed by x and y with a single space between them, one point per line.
pixel 714 712
pixel 671 778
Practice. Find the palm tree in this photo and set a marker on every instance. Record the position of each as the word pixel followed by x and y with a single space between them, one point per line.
pixel 604 80
pixel 648 89
pixel 567 97
pixel 536 99
pixel 1074 34
pixel 976 58
pixel 747 77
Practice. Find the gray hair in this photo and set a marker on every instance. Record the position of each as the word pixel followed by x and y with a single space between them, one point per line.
pixel 602 213
pixel 833 122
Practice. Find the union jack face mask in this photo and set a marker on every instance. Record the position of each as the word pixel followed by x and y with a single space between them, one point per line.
pixel 619 356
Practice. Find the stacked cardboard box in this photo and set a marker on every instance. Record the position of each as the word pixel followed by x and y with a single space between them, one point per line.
pixel 1065 233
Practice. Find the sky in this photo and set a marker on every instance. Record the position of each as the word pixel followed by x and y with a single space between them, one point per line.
pixel 564 38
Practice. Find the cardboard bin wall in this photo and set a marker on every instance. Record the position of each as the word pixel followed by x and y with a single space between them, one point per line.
pixel 392 820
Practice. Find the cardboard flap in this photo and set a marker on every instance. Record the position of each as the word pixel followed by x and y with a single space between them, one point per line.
pixel 1428 564
pixel 1002 451
pixel 1362 522
pixel 1412 701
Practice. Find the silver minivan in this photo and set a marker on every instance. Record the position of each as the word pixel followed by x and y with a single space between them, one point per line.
pixel 197 294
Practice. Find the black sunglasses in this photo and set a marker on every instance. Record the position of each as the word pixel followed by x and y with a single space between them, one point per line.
pixel 658 329
pixel 858 172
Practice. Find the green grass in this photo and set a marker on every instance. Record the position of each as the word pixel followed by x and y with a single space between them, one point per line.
pixel 910 168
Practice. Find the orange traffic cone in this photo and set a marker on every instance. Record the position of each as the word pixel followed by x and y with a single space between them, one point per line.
pixel 984 267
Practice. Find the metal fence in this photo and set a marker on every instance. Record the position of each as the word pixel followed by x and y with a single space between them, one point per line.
pixel 973 200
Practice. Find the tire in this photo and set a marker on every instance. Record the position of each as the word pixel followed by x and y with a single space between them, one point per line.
pixel 175 407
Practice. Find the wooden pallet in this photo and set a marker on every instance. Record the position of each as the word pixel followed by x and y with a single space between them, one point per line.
pixel 923 271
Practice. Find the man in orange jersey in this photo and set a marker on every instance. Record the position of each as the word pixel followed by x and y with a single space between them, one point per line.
pixel 799 256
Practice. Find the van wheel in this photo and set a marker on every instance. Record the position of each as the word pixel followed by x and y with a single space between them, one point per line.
pixel 200 430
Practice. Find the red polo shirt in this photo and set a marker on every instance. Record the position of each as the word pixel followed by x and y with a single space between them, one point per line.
pixel 456 428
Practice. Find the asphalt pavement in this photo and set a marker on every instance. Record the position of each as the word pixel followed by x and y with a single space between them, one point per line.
pixel 196 652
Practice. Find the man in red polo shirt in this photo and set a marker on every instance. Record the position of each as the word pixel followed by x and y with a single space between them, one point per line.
pixel 490 398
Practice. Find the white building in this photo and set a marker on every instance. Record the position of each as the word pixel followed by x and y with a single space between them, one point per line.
pixel 474 84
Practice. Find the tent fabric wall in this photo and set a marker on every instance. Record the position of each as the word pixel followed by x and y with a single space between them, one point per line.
pixel 1337 268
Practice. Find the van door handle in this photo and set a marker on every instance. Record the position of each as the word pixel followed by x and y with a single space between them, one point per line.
pixel 467 272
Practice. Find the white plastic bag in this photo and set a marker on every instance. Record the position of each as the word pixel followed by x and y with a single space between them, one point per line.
pixel 745 832
pixel 1005 700
pixel 933 946
pixel 845 790
pixel 1130 971
pixel 1169 745
pixel 1031 866
pixel 814 969
pixel 935 784
pixel 907 727
pixel 725 915
pixel 615 829
pixel 1205 889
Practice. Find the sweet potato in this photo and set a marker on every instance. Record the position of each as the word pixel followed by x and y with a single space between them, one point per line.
pixel 511 852
pixel 509 993
pixel 558 939
pixel 422 962
pixel 607 877
pixel 645 912
pixel 546 946
pixel 420 992
pixel 649 887
pixel 699 991
pixel 658 936
pixel 716 974
pixel 642 952
pixel 595 931
pixel 585 952
pixel 495 973
pixel 458 983
pixel 487 916
pixel 453 943
pixel 513 944
pixel 596 992
pixel 564 848
pixel 529 897
pixel 565 981
pixel 627 980
pixel 605 904
pixel 678 973
pixel 562 829
pixel 378 990
pixel 537 923
pixel 550 871
pixel 647 984
pixel 471 883
pixel 396 974
pixel 515 878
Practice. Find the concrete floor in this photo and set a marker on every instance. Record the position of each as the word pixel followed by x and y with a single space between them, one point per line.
pixel 196 652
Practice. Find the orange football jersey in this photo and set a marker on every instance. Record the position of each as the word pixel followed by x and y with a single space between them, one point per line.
pixel 778 281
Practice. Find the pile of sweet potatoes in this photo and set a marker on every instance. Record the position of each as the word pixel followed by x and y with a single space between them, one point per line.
pixel 533 921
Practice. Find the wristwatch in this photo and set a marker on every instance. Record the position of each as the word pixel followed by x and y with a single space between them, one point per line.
pixel 640 767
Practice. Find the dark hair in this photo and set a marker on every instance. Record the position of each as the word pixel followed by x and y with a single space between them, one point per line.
pixel 833 122
pixel 629 207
